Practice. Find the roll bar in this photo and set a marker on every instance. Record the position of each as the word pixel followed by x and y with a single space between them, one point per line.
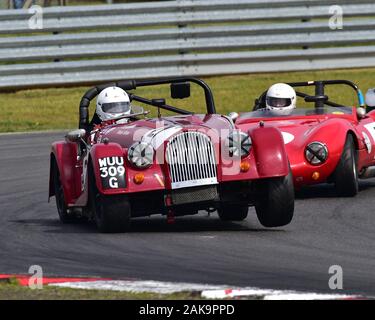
pixel 133 84
pixel 320 98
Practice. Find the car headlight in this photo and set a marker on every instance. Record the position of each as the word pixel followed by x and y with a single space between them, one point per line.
pixel 238 144
pixel 316 153
pixel 141 155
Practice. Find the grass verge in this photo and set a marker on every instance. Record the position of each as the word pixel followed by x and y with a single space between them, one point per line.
pixel 11 290
pixel 57 108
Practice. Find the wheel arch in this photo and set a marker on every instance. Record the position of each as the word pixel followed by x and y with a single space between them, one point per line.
pixel 98 152
pixel 355 138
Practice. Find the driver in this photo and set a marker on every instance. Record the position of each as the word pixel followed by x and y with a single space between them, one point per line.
pixel 112 103
pixel 281 99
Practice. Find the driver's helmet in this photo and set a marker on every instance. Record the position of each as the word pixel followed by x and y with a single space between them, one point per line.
pixel 370 98
pixel 112 103
pixel 281 99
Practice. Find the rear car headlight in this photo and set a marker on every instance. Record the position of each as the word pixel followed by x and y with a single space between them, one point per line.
pixel 238 144
pixel 316 153
pixel 141 155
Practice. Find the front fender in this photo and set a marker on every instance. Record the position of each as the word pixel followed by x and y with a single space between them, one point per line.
pixel 64 155
pixel 333 133
pixel 269 152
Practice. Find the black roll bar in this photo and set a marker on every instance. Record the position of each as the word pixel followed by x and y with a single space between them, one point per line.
pixel 133 84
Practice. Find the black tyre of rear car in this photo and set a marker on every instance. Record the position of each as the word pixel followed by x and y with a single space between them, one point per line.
pixel 346 172
pixel 111 213
pixel 62 209
pixel 274 204
pixel 232 212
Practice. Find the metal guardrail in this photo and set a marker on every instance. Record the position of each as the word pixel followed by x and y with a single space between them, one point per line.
pixel 88 44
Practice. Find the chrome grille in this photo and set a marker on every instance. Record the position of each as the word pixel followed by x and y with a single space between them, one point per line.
pixel 191 160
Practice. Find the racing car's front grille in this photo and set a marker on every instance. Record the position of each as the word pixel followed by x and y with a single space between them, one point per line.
pixel 191 160
pixel 194 195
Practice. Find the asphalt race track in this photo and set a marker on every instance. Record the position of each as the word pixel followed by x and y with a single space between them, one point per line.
pixel 325 231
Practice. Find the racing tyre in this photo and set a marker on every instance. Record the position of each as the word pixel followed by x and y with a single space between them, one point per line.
pixel 346 173
pixel 64 215
pixel 275 201
pixel 111 213
pixel 232 212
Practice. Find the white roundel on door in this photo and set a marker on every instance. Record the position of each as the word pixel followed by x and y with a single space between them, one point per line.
pixel 288 137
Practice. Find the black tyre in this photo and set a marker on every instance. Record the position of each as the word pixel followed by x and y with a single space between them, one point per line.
pixel 232 212
pixel 346 172
pixel 111 213
pixel 275 201
pixel 62 209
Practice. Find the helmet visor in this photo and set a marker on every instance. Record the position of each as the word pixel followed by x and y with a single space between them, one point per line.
pixel 116 107
pixel 279 102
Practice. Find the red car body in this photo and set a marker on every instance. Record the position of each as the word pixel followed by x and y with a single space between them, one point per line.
pixel 331 125
pixel 89 168
pixel 261 161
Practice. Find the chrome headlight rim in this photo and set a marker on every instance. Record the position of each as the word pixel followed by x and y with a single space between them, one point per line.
pixel 238 144
pixel 316 157
pixel 141 155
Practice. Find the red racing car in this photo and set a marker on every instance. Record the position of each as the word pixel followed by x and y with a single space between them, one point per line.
pixel 136 166
pixel 327 143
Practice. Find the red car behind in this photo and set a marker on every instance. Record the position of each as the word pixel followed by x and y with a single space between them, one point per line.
pixel 329 142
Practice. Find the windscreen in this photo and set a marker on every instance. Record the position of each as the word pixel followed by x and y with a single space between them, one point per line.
pixel 264 113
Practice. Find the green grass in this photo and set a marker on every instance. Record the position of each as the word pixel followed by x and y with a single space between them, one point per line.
pixel 11 290
pixel 57 108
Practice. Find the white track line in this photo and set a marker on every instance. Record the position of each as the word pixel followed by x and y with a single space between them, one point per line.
pixel 207 291
pixel 140 286
pixel 271 294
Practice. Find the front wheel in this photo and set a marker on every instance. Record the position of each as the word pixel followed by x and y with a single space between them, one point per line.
pixel 232 212
pixel 346 173
pixel 275 201
pixel 110 212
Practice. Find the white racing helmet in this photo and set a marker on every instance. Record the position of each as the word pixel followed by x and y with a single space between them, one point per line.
pixel 281 99
pixel 112 103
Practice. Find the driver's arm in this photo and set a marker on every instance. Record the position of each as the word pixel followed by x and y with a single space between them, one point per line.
pixel 94 121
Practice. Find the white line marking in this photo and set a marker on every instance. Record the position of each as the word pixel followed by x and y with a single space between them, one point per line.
pixel 139 286
pixel 308 296
pixel 268 294
pixel 207 291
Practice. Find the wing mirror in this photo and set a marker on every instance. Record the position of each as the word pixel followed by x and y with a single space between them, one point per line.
pixel 158 102
pixel 76 135
pixel 180 90
pixel 233 116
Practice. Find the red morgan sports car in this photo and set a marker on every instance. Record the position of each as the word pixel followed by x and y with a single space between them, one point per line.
pixel 174 165
pixel 327 143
